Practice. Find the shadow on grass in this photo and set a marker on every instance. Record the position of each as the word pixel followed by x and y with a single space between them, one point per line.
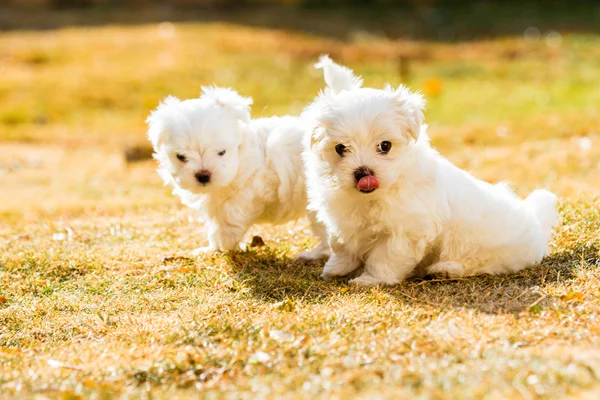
pixel 444 21
pixel 274 277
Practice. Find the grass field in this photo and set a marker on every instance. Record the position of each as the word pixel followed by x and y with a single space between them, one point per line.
pixel 99 296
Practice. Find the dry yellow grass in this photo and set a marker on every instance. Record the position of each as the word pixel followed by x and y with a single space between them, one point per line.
pixel 99 297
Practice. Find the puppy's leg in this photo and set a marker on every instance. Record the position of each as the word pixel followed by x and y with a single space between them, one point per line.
pixel 341 262
pixel 222 237
pixel 448 269
pixel 388 264
pixel 322 250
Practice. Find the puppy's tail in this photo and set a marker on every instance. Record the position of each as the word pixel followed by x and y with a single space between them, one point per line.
pixel 543 204
pixel 338 77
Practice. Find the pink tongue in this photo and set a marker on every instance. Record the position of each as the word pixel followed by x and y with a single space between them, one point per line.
pixel 367 183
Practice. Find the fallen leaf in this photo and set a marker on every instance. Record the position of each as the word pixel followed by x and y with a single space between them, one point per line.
pixel 433 87
pixel 573 296
pixel 10 350
pixel 285 305
pixel 168 259
pixel 88 383
pixel 257 241
pixel 3 300
pixel 137 153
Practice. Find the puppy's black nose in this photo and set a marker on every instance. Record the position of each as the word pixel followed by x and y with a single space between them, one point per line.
pixel 203 176
pixel 361 172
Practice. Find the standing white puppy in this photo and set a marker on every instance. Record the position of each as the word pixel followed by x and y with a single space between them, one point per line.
pixel 393 204
pixel 235 171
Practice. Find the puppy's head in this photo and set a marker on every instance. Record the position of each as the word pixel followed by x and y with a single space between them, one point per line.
pixel 197 141
pixel 362 134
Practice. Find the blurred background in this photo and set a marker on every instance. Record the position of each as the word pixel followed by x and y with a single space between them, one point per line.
pixel 512 87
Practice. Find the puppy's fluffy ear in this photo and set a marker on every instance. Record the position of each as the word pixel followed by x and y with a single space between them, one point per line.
pixel 229 100
pixel 158 121
pixel 410 108
pixel 338 77
pixel 317 134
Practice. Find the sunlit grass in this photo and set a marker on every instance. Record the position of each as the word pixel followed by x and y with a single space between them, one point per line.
pixel 99 295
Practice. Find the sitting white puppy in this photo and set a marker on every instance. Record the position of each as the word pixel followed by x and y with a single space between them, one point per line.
pixel 234 170
pixel 393 204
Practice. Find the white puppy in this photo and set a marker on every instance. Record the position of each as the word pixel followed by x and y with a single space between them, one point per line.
pixel 234 170
pixel 393 204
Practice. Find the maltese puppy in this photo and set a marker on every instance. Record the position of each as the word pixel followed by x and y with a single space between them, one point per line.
pixel 234 170
pixel 392 204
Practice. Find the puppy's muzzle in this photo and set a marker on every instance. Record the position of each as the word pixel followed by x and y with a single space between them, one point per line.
pixel 365 179
pixel 203 177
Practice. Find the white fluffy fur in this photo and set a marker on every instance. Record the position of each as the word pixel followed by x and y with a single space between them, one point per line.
pixel 259 178
pixel 428 216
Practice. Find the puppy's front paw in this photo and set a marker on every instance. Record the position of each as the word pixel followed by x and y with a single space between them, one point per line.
pixel 202 250
pixel 316 254
pixel 339 265
pixel 447 269
pixel 328 277
pixel 367 279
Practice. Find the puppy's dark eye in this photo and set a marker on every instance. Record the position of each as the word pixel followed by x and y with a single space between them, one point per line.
pixel 222 152
pixel 384 147
pixel 181 157
pixel 340 149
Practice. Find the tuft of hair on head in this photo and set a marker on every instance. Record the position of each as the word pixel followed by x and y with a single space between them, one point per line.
pixel 156 121
pixel 337 77
pixel 230 100
pixel 410 107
